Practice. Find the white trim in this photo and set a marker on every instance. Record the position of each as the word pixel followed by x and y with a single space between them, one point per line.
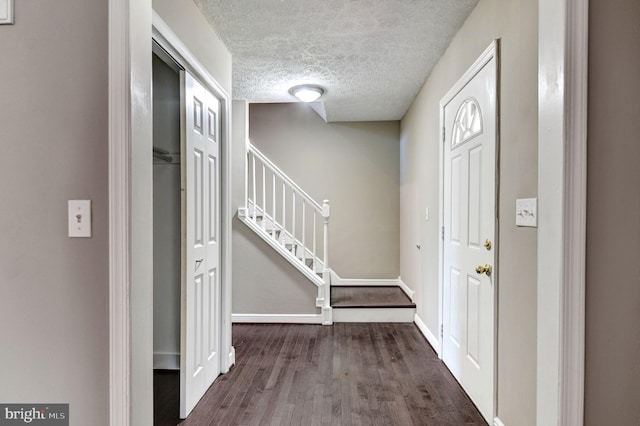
pixel 489 53
pixel 231 357
pixel 433 341
pixel 119 177
pixel 166 361
pixel 562 165
pixel 408 291
pixel 277 318
pixel 373 314
pixel 497 422
pixel 573 319
pixel 168 40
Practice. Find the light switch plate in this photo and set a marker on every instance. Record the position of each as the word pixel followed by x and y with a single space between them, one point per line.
pixel 6 11
pixel 527 212
pixel 79 218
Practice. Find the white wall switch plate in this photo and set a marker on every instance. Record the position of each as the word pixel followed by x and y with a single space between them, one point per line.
pixel 527 212
pixel 79 218
pixel 6 12
pixel 426 214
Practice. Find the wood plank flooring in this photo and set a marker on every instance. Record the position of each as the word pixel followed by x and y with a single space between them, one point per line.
pixel 346 374
pixel 369 297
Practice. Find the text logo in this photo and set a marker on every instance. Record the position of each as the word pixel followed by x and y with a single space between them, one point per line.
pixel 34 414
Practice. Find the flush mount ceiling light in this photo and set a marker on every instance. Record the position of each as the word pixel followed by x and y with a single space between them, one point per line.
pixel 307 92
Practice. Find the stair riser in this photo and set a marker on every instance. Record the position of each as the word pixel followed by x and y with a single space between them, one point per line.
pixel 373 314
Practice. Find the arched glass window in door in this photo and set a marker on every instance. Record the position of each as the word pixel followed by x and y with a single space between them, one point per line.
pixel 468 122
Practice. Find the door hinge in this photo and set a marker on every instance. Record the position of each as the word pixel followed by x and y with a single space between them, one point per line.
pixel 441 330
pixel 443 133
pixel 442 236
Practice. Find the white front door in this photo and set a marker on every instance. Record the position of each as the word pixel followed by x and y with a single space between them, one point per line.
pixel 469 246
pixel 200 318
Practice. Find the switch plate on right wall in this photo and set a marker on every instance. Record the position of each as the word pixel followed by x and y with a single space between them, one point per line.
pixel 527 212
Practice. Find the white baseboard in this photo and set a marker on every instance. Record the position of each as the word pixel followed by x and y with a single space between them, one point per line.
pixel 231 358
pixel 166 361
pixel 410 293
pixel 277 318
pixel 431 338
pixel 497 422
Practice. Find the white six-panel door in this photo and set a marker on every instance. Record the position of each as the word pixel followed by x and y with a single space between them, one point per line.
pixel 469 214
pixel 200 317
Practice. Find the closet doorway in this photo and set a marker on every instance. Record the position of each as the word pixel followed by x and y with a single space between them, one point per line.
pixel 187 224
pixel 166 216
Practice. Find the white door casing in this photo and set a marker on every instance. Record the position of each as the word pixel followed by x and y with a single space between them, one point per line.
pixel 469 118
pixel 200 317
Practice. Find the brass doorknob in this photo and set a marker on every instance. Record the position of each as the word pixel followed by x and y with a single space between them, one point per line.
pixel 486 269
pixel 487 244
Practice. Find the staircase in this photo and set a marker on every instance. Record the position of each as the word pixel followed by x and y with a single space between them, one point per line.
pixel 297 227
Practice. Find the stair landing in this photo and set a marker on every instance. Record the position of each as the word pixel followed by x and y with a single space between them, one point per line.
pixel 371 304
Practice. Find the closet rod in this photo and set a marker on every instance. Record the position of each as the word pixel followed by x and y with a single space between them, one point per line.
pixel 162 154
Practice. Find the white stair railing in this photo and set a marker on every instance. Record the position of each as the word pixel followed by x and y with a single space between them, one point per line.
pixel 292 222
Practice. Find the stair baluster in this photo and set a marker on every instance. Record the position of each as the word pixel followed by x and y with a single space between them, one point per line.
pixel 273 214
pixel 284 213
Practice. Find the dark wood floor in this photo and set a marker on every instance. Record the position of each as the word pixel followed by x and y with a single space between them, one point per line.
pixel 369 297
pixel 347 374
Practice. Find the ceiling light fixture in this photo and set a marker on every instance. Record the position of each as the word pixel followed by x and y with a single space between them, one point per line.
pixel 307 92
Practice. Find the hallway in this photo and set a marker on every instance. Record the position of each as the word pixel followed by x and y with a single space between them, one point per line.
pixel 347 374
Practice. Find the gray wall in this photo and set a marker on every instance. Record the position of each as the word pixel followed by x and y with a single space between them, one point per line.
pixel 355 166
pixel 54 290
pixel 515 23
pixel 613 233
pixel 166 217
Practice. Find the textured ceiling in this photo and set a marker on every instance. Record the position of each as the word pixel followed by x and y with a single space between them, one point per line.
pixel 372 56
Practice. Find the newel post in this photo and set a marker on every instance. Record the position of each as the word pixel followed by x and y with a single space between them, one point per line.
pixel 326 212
pixel 246 173
pixel 326 272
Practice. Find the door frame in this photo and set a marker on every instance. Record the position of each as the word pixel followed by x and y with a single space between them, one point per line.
pixel 563 28
pixel 563 47
pixel 169 41
pixel 491 52
pixel 132 27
